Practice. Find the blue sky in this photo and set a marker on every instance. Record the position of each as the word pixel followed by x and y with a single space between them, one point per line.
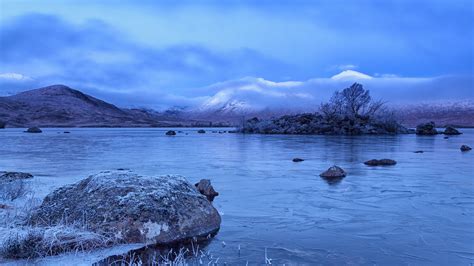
pixel 173 50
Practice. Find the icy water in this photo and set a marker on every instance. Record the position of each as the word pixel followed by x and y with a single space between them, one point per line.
pixel 418 212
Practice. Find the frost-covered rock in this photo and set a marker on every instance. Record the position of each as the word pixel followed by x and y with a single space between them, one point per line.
pixel 451 131
pixel 33 130
pixel 204 187
pixel 132 208
pixel 426 129
pixel 381 162
pixel 333 172
pixel 13 176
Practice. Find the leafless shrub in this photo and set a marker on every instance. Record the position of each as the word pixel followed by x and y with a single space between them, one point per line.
pixel 13 190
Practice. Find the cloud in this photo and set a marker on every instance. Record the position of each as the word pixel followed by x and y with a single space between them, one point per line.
pixel 257 94
pixel 93 56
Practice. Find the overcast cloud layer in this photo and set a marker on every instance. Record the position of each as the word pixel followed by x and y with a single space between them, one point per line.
pixel 164 54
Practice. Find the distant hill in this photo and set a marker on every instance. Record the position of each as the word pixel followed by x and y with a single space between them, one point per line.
pixel 61 106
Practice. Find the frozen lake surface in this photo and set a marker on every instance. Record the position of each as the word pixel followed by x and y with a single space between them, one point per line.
pixel 420 211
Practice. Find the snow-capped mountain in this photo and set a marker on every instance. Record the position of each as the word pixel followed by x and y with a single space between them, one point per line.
pixel 351 75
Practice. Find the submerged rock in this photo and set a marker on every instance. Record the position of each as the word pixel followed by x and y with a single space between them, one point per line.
pixel 426 129
pixel 204 187
pixel 201 131
pixel 33 130
pixel 132 208
pixel 381 162
pixel 465 148
pixel 297 160
pixel 333 172
pixel 12 176
pixel 451 131
pixel 170 133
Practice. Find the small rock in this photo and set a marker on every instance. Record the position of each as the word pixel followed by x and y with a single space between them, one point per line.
pixel 297 160
pixel 201 131
pixel 3 206
pixel 381 162
pixel 426 129
pixel 333 172
pixel 33 130
pixel 204 187
pixel 446 138
pixel 2 124
pixel 170 133
pixel 418 151
pixel 465 148
pixel 66 132
pixel 451 131
pixel 12 176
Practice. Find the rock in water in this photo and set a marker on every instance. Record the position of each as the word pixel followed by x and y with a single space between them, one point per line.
pixel 12 176
pixel 33 130
pixel 420 151
pixel 381 162
pixel 201 131
pixel 297 160
pixel 333 172
pixel 170 133
pixel 426 129
pixel 451 131
pixel 132 208
pixel 465 148
pixel 2 124
pixel 204 187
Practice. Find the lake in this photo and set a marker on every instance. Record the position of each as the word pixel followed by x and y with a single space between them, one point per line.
pixel 420 211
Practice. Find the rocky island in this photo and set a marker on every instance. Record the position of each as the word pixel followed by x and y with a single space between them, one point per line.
pixel 349 112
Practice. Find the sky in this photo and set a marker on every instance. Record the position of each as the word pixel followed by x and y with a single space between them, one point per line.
pixel 165 53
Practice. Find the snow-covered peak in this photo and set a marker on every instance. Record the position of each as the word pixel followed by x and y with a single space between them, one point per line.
pixel 350 75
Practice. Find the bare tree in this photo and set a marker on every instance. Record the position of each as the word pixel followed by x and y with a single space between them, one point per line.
pixel 354 102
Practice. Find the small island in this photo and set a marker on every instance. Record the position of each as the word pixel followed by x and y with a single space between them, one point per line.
pixel 351 111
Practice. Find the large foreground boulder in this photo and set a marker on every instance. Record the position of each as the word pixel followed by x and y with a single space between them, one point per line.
pixel 426 129
pixel 132 208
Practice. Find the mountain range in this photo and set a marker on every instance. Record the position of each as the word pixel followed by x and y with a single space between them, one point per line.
pixel 61 106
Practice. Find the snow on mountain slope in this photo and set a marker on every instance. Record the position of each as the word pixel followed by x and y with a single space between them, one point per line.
pixel 350 75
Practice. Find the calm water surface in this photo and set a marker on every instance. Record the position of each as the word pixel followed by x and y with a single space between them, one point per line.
pixel 420 211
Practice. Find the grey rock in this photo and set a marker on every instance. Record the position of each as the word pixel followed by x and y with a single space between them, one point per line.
pixel 333 172
pixel 33 130
pixel 132 208
pixel 204 187
pixel 381 162
pixel 451 131
pixel 465 148
pixel 170 133
pixel 12 176
pixel 426 129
